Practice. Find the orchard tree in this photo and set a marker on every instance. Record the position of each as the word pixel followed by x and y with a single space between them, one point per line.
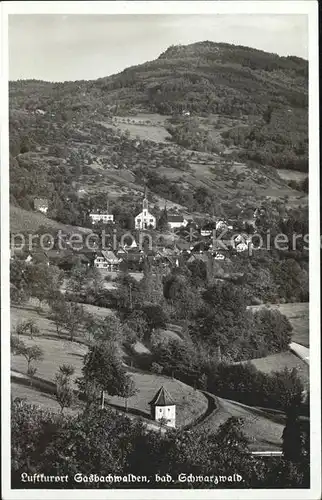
pixel 103 371
pixel 73 318
pixel 32 354
pixel 43 281
pixel 17 345
pixel 64 389
pixel 106 329
pixel 128 390
pixel 27 327
pixel 58 314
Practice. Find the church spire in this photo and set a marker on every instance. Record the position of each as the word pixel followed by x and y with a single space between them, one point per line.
pixel 145 199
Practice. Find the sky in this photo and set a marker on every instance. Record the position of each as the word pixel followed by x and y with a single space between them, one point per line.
pixel 85 47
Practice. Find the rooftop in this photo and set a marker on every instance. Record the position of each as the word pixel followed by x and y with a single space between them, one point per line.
pixel 162 398
pixel 175 218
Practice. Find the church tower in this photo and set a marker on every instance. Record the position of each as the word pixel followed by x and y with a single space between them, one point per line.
pixel 145 220
pixel 145 202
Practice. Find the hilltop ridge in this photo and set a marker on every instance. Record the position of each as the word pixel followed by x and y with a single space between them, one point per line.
pixel 224 118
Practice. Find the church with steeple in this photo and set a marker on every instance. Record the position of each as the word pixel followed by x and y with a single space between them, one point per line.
pixel 145 220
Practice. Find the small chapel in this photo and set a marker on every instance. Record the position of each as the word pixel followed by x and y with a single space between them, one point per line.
pixel 163 407
pixel 145 220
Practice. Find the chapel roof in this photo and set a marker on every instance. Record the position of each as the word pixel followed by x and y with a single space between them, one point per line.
pixel 162 398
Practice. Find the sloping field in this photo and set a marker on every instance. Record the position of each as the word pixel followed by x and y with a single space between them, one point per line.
pixel 45 325
pixel 145 127
pixel 23 220
pixel 36 397
pixel 190 403
pixel 56 352
pixel 277 362
pixel 292 175
pixel 262 431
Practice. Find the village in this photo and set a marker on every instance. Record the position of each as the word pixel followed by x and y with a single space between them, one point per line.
pixel 159 292
pixel 183 241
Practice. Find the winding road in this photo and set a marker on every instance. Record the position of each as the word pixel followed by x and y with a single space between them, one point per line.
pixel 301 352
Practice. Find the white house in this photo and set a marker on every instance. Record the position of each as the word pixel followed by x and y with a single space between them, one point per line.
pixel 242 247
pixel 243 242
pixel 206 232
pixel 163 408
pixel 101 217
pixel 145 220
pixel 41 204
pixel 106 259
pixel 219 256
pixel 177 221
pixel 223 225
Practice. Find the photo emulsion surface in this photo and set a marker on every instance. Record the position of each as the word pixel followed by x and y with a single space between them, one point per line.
pixel 159 252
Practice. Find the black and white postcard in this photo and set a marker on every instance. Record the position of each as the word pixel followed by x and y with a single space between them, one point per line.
pixel 160 246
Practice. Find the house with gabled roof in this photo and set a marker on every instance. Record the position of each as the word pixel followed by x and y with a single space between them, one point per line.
pixel 176 221
pixel 106 259
pixel 163 407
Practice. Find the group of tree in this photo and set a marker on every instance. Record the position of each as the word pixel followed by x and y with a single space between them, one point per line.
pixel 32 354
pixel 37 280
pixel 96 440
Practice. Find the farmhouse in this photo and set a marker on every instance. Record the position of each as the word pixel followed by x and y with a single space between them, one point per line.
pixel 163 408
pixel 41 205
pixel 177 221
pixel 106 259
pixel 98 216
pixel 145 220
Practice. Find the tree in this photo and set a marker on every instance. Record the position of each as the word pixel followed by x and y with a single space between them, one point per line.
pixel 31 354
pixel 64 390
pixel 18 295
pixel 182 297
pixel 163 221
pixel 17 346
pixel 128 390
pixel 73 318
pixel 274 327
pixel 58 313
pixel 137 322
pixel 295 436
pixel 43 281
pixel 84 280
pixel 29 326
pixel 103 371
pixel 106 329
pixel 155 316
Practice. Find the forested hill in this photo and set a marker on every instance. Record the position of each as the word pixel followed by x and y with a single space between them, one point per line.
pixel 202 77
pixel 262 97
